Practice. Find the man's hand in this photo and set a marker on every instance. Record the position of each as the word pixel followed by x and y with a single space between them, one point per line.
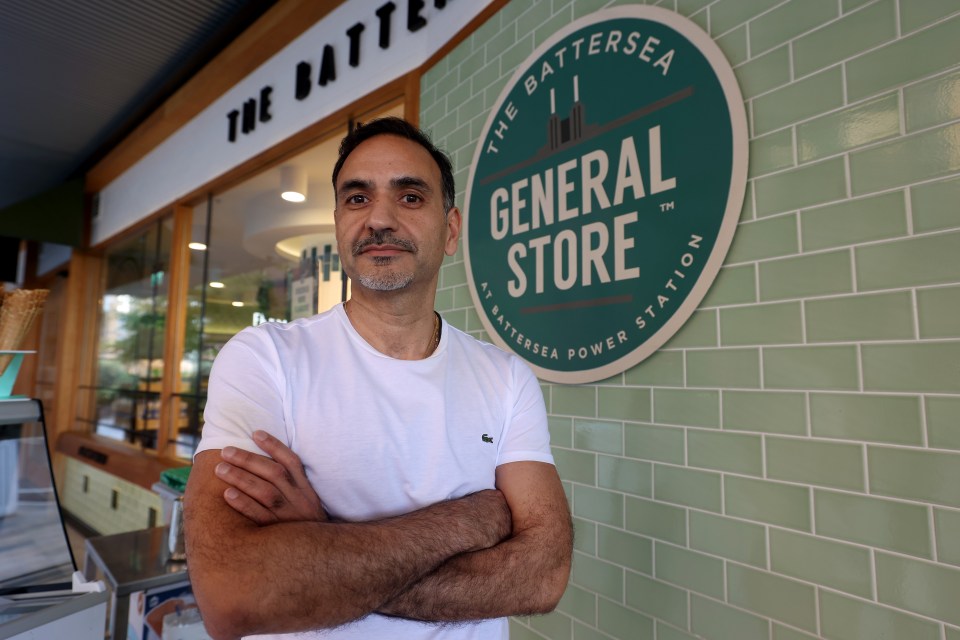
pixel 271 489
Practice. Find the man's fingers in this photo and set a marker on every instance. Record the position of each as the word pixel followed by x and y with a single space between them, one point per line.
pixel 281 453
pixel 258 489
pixel 247 506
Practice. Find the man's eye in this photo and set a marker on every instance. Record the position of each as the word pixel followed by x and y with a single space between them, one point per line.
pixel 412 198
pixel 356 199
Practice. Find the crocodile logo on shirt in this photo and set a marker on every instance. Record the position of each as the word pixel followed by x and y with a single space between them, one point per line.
pixel 486 438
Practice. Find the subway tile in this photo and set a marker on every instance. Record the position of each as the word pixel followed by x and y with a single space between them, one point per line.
pixel 885 524
pixel 576 466
pixel 771 152
pixel 579 604
pixel 939 312
pixel 852 5
pixel 586 7
pixel 577 401
pixel 779 323
pixel 914 474
pixel 786 633
pixel 621 622
pixel 554 625
pixel 934 205
pixel 544 28
pixel 769 238
pixel 585 535
pixel 846 618
pixel 763 73
pixel 914 56
pixel 804 276
pixel 932 102
pixel 666 632
pixel 724 368
pixel 920 587
pixel 625 549
pixel 561 428
pixel 854 221
pixel 657 520
pixel 700 330
pixel 734 539
pixel 926 367
pixel 746 209
pixel 765 411
pixel 726 14
pixel 952 633
pixel 920 156
pixel 648 442
pixel 686 407
pixel 662 369
pixel 943 428
pixel 599 505
pixel 688 487
pixel 734 285
pixel 799 100
pixel 805 186
pixel 583 632
pixel 622 474
pixel 816 462
pixel 695 571
pixel 595 575
pixel 656 598
pixel 716 621
pixel 862 317
pixel 914 15
pixel 624 404
pixel 831 564
pixel 724 451
pixel 774 596
pixel 734 47
pixel 788 21
pixel 873 418
pixel 515 55
pixel 932 259
pixel 785 505
pixel 947 525
pixel 845 38
pixel 599 436
pixel 688 7
pixel 827 367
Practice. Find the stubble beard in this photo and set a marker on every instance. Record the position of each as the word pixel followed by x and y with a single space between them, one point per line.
pixel 385 278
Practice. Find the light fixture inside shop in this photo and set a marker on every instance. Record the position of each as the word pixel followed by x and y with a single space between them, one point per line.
pixel 197 246
pixel 216 284
pixel 237 303
pixel 293 183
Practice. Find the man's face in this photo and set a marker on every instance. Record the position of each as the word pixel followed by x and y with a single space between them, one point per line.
pixel 391 229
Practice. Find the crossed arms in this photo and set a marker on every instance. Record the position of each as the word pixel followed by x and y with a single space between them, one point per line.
pixel 265 558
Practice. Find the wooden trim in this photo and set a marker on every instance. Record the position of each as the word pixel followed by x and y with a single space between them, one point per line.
pixel 411 91
pixel 115 457
pixel 279 26
pixel 76 355
pixel 175 327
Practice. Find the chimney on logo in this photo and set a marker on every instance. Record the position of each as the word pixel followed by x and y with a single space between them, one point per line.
pixel 569 129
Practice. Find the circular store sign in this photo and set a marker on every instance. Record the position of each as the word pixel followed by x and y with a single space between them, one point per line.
pixel 604 192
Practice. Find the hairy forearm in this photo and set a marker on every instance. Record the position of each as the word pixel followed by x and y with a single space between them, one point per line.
pixel 307 575
pixel 517 577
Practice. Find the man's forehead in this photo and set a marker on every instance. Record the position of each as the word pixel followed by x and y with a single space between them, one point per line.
pixel 371 157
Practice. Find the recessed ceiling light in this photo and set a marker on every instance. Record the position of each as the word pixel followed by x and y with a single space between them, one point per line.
pixel 216 285
pixel 237 303
pixel 197 246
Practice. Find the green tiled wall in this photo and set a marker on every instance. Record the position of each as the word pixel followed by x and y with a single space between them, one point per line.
pixel 787 467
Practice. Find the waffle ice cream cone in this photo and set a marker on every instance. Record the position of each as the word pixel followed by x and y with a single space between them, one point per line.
pixel 18 311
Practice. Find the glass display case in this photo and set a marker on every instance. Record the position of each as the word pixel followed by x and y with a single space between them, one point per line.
pixel 36 563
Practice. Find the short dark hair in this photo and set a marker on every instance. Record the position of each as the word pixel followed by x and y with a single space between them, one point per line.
pixel 398 127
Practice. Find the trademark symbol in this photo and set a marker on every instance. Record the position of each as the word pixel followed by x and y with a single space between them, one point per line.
pixel 667 206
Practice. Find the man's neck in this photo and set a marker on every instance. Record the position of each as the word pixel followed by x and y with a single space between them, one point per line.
pixel 397 325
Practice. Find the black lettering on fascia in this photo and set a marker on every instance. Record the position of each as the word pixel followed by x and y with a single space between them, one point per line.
pixel 303 84
pixel 354 34
pixel 249 121
pixel 415 21
pixel 232 125
pixel 440 4
pixel 265 104
pixel 328 66
pixel 384 14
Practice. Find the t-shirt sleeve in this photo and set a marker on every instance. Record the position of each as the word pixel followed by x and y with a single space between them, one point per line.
pixel 527 437
pixel 244 393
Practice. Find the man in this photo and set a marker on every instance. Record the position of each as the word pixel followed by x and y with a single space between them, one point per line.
pixel 426 494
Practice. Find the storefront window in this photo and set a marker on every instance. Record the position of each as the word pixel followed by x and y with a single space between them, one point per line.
pixel 133 319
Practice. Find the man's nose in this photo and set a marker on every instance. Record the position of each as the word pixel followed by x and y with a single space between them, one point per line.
pixel 383 214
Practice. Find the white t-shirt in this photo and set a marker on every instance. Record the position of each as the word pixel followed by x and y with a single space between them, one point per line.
pixel 379 436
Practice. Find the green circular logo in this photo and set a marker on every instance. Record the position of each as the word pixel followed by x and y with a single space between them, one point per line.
pixel 604 192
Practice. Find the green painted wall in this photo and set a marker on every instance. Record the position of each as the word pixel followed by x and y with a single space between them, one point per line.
pixel 788 466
